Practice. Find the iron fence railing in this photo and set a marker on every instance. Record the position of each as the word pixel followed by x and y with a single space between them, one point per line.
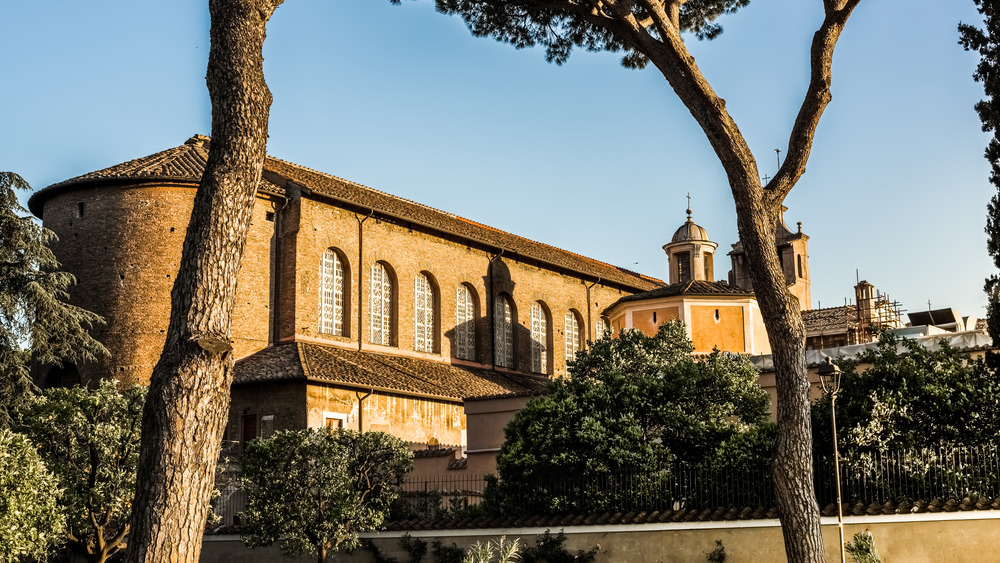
pixel 866 477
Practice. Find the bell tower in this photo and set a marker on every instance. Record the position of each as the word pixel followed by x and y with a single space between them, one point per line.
pixel 690 253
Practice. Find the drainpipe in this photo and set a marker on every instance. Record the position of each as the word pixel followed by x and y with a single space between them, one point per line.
pixel 361 273
pixel 361 407
pixel 589 307
pixel 490 313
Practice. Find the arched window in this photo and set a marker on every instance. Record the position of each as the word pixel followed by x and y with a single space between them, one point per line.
pixel 799 260
pixel 539 339
pixel 503 323
pixel 380 305
pixel 424 309
pixel 331 293
pixel 572 333
pixel 602 328
pixel 465 324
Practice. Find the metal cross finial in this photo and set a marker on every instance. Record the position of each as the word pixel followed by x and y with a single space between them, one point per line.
pixel 766 178
pixel 689 206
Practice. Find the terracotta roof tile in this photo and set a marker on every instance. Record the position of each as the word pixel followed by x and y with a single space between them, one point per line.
pixel 831 320
pixel 316 362
pixel 696 287
pixel 187 162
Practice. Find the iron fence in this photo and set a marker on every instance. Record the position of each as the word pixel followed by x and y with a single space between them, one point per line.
pixel 866 477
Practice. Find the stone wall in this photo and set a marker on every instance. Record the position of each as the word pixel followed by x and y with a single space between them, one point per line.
pixel 961 537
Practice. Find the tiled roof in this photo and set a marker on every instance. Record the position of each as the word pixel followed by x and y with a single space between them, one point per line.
pixel 697 287
pixel 381 202
pixel 187 162
pixel 831 320
pixel 439 452
pixel 316 362
pixel 180 164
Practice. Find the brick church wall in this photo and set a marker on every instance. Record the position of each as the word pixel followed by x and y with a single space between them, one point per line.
pixel 124 249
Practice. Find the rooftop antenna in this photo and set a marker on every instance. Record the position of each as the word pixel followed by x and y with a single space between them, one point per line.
pixel 777 153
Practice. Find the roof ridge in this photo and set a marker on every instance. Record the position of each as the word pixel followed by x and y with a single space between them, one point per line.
pixel 356 184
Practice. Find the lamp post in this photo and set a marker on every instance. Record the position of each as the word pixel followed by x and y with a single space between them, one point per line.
pixel 829 379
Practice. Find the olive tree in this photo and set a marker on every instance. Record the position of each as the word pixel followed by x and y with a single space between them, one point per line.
pixel 650 32
pixel 315 490
pixel 90 439
pixel 30 517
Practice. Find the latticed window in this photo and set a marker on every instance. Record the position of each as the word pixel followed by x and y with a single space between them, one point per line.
pixel 423 314
pixel 539 339
pixel 331 294
pixel 465 324
pixel 572 332
pixel 683 266
pixel 602 329
pixel 380 307
pixel 503 342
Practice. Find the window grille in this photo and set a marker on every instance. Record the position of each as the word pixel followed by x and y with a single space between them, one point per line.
pixel 380 300
pixel 572 333
pixel 503 343
pixel 423 314
pixel 601 329
pixel 465 324
pixel 331 294
pixel 539 338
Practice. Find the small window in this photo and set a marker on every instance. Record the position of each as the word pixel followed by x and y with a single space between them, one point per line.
pixel 80 208
pixel 334 421
pixel 539 338
pixel 602 328
pixel 572 334
pixel 799 260
pixel 503 323
pixel 380 306
pixel 465 323
pixel 424 307
pixel 683 266
pixel 249 430
pixel 331 294
pixel 269 216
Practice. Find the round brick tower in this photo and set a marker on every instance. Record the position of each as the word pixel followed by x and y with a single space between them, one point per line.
pixel 120 232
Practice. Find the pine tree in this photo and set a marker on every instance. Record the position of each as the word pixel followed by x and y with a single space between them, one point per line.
pixel 986 42
pixel 36 322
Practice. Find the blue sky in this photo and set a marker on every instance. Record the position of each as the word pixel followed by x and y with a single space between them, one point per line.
pixel 587 156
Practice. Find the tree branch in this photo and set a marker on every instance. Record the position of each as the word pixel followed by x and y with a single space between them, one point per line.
pixel 816 99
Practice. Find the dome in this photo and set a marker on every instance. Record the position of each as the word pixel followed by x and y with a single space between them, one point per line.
pixel 689 231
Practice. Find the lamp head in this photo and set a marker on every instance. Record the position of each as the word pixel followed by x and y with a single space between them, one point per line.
pixel 829 376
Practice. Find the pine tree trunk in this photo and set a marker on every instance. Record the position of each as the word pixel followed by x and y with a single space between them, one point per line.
pixel 793 467
pixel 188 401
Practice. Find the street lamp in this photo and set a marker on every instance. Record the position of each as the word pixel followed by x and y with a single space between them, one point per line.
pixel 829 379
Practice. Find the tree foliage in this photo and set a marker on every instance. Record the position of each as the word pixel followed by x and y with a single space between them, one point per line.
pixel 36 322
pixel 315 490
pixel 986 41
pixel 90 439
pixel 30 516
pixel 631 405
pixel 558 27
pixel 911 397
